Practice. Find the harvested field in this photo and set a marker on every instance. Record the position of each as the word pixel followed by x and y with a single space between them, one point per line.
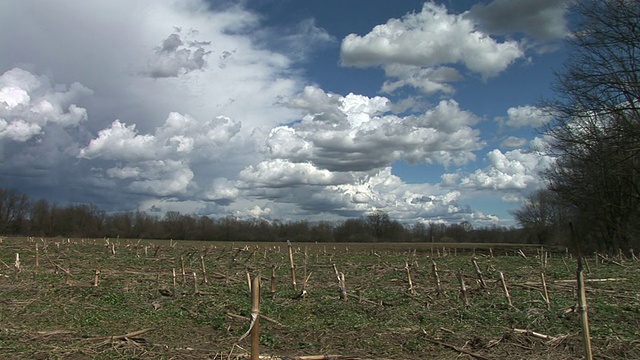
pixel 116 299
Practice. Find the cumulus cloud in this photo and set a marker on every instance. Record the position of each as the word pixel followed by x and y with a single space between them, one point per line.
pixel 430 38
pixel 356 133
pixel 427 80
pixel 180 136
pixel 222 191
pixel 29 103
pixel 120 142
pixel 363 193
pixel 282 173
pixel 523 116
pixel 513 142
pixel 177 56
pixel 160 163
pixel 512 170
pixel 337 159
pixel 163 178
pixel 383 190
pixel 541 19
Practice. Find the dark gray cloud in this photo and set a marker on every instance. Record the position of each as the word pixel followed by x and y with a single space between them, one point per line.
pixel 541 19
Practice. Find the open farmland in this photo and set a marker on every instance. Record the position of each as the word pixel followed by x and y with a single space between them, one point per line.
pixel 116 299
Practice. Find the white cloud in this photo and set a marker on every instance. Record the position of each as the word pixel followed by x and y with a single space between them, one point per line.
pixel 430 38
pixel 177 56
pixel 18 130
pixel 512 170
pixel 355 133
pixel 282 173
pixel 221 190
pixel 120 142
pixel 29 103
pixel 427 80
pixel 513 142
pixel 164 178
pixel 385 191
pixel 522 116
pixel 181 136
pixel 163 163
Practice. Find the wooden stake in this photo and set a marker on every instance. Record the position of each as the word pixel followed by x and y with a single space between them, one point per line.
pixel 547 300
pixel 543 258
pixel 303 295
pixel 184 274
pixel 37 264
pixel 586 263
pixel 67 279
pixel 436 277
pixel 293 268
pixel 406 266
pixel 565 265
pixel 173 280
pixel 16 265
pixel 463 290
pixel 255 318
pixel 335 269
pixel 521 253
pixel 582 311
pixel 195 284
pixel 533 334
pixel 479 274
pixel 304 270
pixel 341 283
pixel 273 281
pixel 96 278
pixel 343 288
pixel 505 289
pixel 204 270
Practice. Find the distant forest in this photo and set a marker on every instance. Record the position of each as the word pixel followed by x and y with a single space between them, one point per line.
pixel 20 216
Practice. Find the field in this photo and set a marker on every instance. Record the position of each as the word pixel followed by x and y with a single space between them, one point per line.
pixel 116 299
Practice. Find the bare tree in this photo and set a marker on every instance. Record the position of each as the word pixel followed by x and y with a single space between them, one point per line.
pixel 379 222
pixel 596 127
pixel 14 207
pixel 542 215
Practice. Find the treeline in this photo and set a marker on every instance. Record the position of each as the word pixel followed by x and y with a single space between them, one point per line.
pixel 22 217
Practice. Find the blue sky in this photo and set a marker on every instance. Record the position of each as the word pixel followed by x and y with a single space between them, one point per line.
pixel 283 110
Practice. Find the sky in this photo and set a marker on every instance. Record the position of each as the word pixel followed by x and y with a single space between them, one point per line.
pixel 290 110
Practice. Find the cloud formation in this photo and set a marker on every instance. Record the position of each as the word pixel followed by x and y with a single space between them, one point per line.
pixel 541 19
pixel 176 57
pixel 513 170
pixel 526 116
pixel 203 109
pixel 29 103
pixel 357 133
pixel 430 38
